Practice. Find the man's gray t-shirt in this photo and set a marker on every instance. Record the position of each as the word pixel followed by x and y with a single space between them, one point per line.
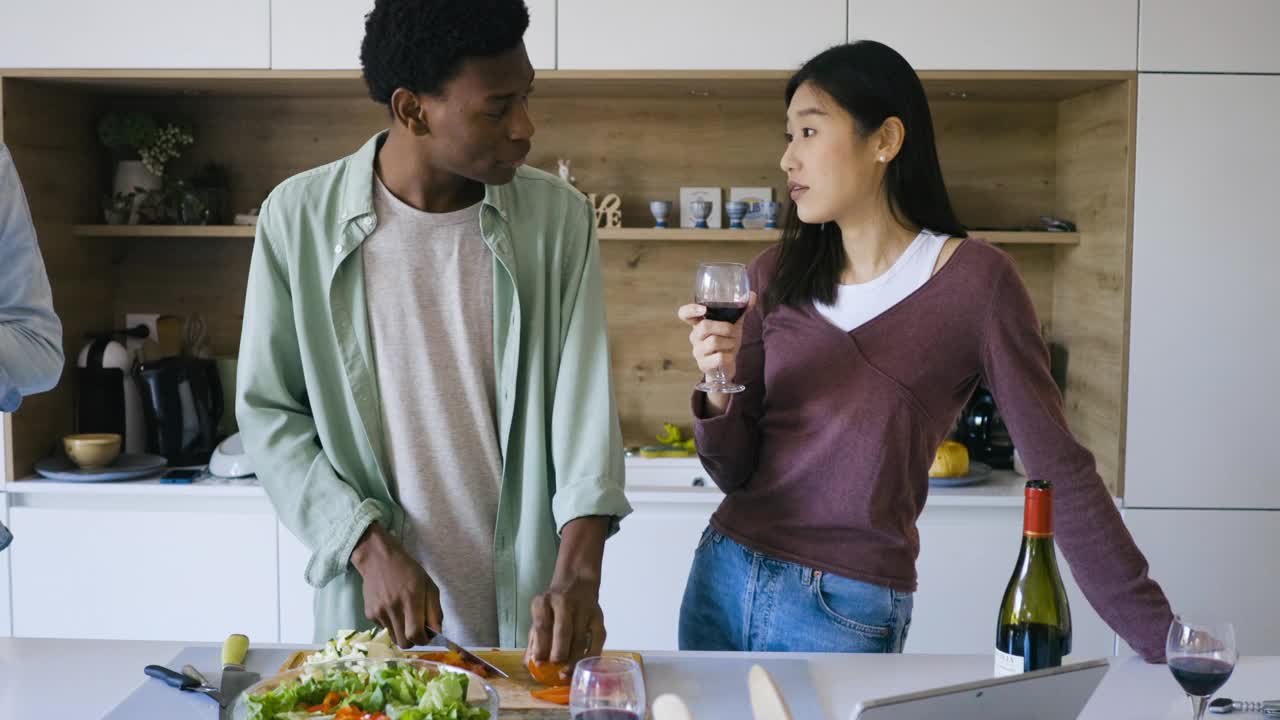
pixel 429 289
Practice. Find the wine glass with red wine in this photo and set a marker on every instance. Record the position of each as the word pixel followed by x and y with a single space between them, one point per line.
pixel 607 688
pixel 1201 657
pixel 724 290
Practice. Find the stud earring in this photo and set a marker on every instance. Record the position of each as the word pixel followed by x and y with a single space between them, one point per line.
pixel 881 158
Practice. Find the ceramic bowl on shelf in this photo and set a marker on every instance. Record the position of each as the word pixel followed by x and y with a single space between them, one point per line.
pixel 92 450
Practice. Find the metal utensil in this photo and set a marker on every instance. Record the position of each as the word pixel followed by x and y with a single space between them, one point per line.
pixel 234 677
pixel 191 672
pixel 466 654
pixel 184 682
pixel 1224 706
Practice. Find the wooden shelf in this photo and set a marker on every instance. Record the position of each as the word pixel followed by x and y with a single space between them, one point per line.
pixel 982 85
pixel 688 235
pixel 624 234
pixel 164 231
pixel 771 236
pixel 1026 237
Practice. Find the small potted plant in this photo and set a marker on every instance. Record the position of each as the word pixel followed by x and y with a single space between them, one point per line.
pixel 142 148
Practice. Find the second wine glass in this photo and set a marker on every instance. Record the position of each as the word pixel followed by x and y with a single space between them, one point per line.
pixel 1201 657
pixel 725 291
pixel 607 688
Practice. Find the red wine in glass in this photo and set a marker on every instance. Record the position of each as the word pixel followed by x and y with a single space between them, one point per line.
pixel 1200 676
pixel 724 311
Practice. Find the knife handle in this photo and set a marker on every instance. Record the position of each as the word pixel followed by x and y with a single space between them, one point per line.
pixel 234 650
pixel 169 677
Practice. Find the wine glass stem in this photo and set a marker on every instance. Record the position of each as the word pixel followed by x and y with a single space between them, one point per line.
pixel 718 377
pixel 1198 704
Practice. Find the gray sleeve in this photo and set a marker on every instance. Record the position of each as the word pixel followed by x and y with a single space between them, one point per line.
pixel 30 333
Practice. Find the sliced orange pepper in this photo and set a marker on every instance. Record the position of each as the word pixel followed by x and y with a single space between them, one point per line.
pixel 558 694
pixel 551 674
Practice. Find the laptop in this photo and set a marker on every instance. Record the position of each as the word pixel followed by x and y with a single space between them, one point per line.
pixel 1055 694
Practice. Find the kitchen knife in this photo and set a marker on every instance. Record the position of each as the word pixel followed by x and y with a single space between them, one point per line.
pixel 466 654
pixel 183 682
pixel 234 677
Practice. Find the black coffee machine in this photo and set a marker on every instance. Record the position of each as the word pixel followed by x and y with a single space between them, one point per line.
pixel 980 427
pixel 982 431
pixel 182 402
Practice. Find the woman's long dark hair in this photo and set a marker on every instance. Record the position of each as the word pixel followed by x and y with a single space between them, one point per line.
pixel 872 82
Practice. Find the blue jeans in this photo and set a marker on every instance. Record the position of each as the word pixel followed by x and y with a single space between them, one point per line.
pixel 739 599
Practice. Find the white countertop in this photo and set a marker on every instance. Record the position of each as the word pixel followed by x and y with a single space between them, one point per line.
pixel 656 480
pixel 85 679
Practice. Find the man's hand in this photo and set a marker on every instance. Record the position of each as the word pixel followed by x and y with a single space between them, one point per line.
pixel 398 595
pixel 568 624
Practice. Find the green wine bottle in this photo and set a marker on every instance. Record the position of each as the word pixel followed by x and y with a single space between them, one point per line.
pixel 1033 630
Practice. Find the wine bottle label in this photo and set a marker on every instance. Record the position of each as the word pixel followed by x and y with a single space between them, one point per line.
pixel 1007 664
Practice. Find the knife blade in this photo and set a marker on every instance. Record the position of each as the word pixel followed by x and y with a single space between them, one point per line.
pixel 234 677
pixel 466 654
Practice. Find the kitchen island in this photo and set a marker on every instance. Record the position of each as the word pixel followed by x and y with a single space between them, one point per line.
pixel 84 679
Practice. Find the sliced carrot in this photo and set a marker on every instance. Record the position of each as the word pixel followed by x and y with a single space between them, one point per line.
pixel 558 694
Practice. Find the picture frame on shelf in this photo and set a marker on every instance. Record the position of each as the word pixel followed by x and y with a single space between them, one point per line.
pixel 712 195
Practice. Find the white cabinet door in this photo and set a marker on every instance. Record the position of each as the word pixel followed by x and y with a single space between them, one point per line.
pixel 135 34
pixel 646 566
pixel 326 34
pixel 1225 36
pixel 6 617
pixel 1216 564
pixel 1203 350
pixel 131 575
pixel 540 38
pixel 297 607
pixel 966 557
pixel 1003 34
pixel 707 34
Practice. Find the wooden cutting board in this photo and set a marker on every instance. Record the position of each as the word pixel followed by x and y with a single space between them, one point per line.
pixel 514 693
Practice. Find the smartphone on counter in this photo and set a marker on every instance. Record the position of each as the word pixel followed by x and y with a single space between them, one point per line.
pixel 180 476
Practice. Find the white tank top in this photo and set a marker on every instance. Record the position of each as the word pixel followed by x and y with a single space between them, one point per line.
pixel 856 304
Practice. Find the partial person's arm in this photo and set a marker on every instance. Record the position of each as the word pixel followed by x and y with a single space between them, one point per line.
pixel 726 431
pixel 30 333
pixel 586 450
pixel 1104 559
pixel 320 507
